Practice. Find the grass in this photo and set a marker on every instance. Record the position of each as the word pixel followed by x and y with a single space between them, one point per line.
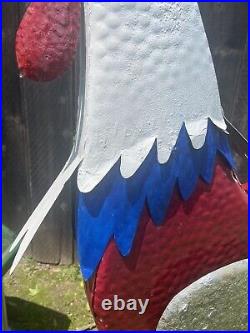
pixel 46 297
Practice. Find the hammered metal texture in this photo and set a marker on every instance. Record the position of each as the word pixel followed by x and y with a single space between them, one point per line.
pixel 145 64
pixel 200 235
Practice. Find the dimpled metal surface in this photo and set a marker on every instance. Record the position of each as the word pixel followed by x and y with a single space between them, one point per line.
pixel 200 235
pixel 148 70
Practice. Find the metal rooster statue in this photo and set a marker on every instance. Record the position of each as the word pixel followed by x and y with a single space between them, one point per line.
pixel 159 205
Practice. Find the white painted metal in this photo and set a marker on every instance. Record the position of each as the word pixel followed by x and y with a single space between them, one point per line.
pixel 148 70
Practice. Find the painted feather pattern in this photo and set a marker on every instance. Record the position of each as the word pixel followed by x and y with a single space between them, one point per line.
pixel 114 207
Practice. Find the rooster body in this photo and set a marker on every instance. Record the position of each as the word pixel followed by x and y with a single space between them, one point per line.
pixel 158 203
pixel 197 237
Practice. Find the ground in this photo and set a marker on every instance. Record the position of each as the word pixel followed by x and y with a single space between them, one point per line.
pixel 46 297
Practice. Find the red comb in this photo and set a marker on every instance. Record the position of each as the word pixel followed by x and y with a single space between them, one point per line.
pixel 46 40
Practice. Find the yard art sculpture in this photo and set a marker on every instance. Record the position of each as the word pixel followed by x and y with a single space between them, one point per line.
pixel 159 205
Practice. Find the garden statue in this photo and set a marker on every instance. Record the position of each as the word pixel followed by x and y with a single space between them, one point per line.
pixel 159 204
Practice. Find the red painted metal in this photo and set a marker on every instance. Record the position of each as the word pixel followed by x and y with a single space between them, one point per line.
pixel 199 236
pixel 46 40
pixel 245 187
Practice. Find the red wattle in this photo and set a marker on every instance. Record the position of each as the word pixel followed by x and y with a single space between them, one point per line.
pixel 200 235
pixel 46 40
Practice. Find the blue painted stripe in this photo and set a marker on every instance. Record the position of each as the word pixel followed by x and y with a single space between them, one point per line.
pixel 113 208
